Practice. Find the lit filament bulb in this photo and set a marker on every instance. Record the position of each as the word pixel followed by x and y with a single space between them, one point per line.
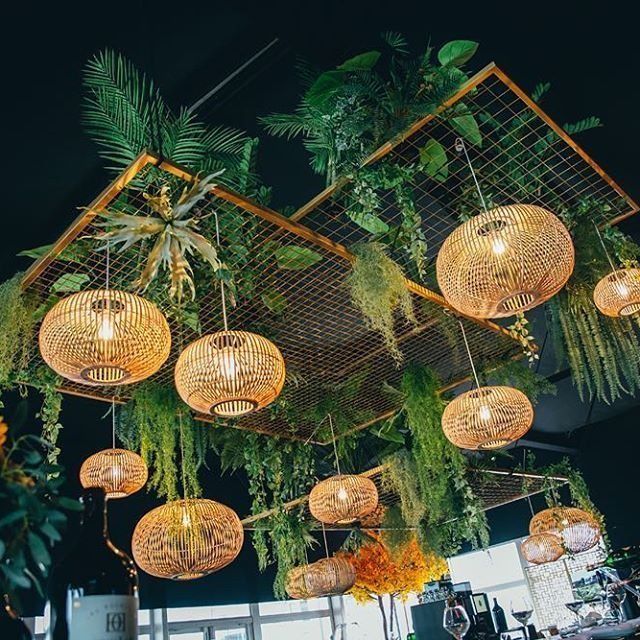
pixel 622 288
pixel 228 364
pixel 186 519
pixel 342 494
pixel 498 246
pixel 106 329
pixel 485 413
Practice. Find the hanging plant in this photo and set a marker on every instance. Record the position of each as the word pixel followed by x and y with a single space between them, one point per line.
pixel 48 382
pixel 515 374
pixel 378 290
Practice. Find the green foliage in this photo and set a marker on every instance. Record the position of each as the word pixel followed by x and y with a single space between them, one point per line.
pixel 396 534
pixel 378 290
pixel 438 472
pixel 125 114
pixel 17 330
pixel 514 374
pixel 157 424
pixel 347 112
pixel 603 353
pixel 48 382
pixel 278 471
pixel 401 476
pixel 32 514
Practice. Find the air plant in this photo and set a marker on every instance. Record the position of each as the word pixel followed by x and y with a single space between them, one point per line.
pixel 176 235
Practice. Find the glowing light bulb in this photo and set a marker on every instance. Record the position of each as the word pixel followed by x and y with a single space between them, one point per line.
pixel 228 364
pixel 622 288
pixel 186 519
pixel 342 494
pixel 485 413
pixel 106 330
pixel 498 246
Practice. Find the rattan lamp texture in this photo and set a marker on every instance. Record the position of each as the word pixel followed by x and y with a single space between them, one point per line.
pixel 343 499
pixel 504 261
pixel 577 529
pixel 618 294
pixel 187 539
pixel 118 471
pixel 104 337
pixel 542 548
pixel 326 577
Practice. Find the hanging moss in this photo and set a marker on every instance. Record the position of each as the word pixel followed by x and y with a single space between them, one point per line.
pixel 48 382
pixel 378 290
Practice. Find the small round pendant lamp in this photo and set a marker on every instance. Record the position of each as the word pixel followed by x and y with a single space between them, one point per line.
pixel 104 337
pixel 118 471
pixel 487 418
pixel 618 294
pixel 343 499
pixel 505 261
pixel 578 530
pixel 542 548
pixel 187 539
pixel 230 373
pixel 326 577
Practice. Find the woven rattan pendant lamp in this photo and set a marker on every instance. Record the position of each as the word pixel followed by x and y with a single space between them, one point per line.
pixel 487 417
pixel 229 373
pixel 542 548
pixel 325 577
pixel 187 539
pixel 617 294
pixel 505 260
pixel 104 337
pixel 577 529
pixel 119 472
pixel 343 498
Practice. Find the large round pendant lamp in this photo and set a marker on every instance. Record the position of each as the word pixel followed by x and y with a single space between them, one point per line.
pixel 326 577
pixel 187 539
pixel 118 471
pixel 487 418
pixel 230 373
pixel 505 261
pixel 618 294
pixel 542 548
pixel 104 337
pixel 343 499
pixel 577 529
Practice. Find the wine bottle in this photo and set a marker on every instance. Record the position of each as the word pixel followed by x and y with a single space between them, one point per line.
pixel 93 592
pixel 499 618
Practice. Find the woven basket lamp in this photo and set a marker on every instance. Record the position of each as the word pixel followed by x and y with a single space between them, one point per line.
pixel 187 539
pixel 487 418
pixel 230 373
pixel 578 530
pixel 343 499
pixel 542 548
pixel 326 577
pixel 504 261
pixel 104 337
pixel 618 294
pixel 118 471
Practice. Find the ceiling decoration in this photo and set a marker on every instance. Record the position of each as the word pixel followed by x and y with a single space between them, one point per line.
pixel 325 577
pixel 618 293
pixel 343 499
pixel 577 529
pixel 542 548
pixel 119 472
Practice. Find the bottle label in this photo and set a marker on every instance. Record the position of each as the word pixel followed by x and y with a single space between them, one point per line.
pixel 111 617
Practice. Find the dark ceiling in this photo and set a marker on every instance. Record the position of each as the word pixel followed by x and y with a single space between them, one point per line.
pixel 589 54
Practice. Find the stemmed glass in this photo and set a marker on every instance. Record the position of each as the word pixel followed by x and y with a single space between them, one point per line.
pixel 455 620
pixel 522 611
pixel 575 607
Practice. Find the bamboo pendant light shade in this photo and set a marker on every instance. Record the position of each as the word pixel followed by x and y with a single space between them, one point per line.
pixel 326 577
pixel 104 337
pixel 505 261
pixel 187 539
pixel 578 530
pixel 343 499
pixel 618 293
pixel 487 418
pixel 542 548
pixel 230 373
pixel 118 471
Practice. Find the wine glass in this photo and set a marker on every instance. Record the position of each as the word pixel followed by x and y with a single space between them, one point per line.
pixel 456 621
pixel 575 607
pixel 522 611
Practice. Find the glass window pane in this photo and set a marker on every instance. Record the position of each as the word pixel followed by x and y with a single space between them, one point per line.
pixel 191 635
pixel 144 616
pixel 494 566
pixel 367 616
pixel 314 629
pixel 293 606
pixel 238 633
pixel 182 614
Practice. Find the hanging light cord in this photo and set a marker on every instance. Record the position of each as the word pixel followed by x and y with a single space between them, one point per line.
pixel 335 446
pixel 113 422
pixel 466 344
pixel 324 537
pixel 524 468
pixel 604 247
pixel 462 147
pixel 184 477
pixel 224 302
pixel 108 268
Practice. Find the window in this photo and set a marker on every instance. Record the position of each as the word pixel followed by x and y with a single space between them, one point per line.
pixel 293 606
pixel 312 629
pixel 207 613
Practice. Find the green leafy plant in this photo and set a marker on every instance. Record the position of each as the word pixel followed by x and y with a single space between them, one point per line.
pixel 32 513
pixel 514 374
pixel 48 382
pixel 519 331
pixel 378 289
